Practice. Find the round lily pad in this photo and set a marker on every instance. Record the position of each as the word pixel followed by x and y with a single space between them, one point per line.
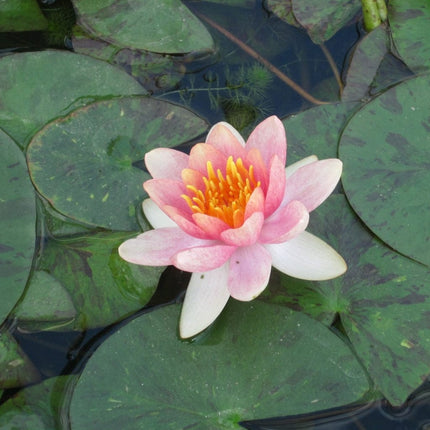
pixel 164 26
pixel 39 86
pixel 386 151
pixel 409 25
pixel 17 224
pixel 84 164
pixel 257 361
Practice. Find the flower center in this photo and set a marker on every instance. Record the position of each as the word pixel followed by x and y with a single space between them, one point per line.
pixel 224 197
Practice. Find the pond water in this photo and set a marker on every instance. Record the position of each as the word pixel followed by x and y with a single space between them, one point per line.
pixel 89 340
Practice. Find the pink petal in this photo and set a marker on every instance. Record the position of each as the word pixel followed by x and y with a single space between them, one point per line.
pixel 276 189
pixel 255 203
pixel 226 139
pixel 313 183
pixel 269 137
pixel 250 268
pixel 157 247
pixel 155 216
pixel 194 178
pixel 206 296
pixel 212 226
pixel 247 233
pixel 202 258
pixel 165 163
pixel 185 221
pixel 202 153
pixel 285 223
pixel 261 174
pixel 289 170
pixel 167 192
pixel 307 257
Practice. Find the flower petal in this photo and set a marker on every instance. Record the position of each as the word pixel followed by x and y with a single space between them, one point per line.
pixel 289 170
pixel 202 258
pixel 166 163
pixel 307 257
pixel 276 189
pixel 201 153
pixel 247 233
pixel 313 183
pixel 212 226
pixel 206 296
pixel 157 247
pixel 255 203
pixel 226 139
pixel 194 178
pixel 249 274
pixel 185 222
pixel 269 137
pixel 254 158
pixel 156 217
pixel 285 223
pixel 167 192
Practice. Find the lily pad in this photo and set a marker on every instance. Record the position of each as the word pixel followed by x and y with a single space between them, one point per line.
pixel 84 164
pixel 21 15
pixel 409 24
pixel 322 20
pixel 40 86
pixel 103 288
pixel 383 301
pixel 17 224
pixel 164 26
pixel 257 361
pixel 386 151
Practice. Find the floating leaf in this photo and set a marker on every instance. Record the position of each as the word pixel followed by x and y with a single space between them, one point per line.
pixel 365 62
pixel 386 151
pixel 21 15
pixel 257 360
pixel 383 301
pixel 40 86
pixel 17 224
pixel 164 26
pixel 409 24
pixel 103 287
pixel 322 20
pixel 83 164
pixel 283 9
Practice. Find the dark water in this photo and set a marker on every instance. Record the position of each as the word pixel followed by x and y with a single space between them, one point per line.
pixel 219 88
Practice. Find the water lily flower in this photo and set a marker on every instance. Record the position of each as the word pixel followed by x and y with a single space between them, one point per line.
pixel 228 212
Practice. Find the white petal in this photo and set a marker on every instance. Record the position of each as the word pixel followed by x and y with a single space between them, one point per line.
pixel 289 170
pixel 307 257
pixel 235 133
pixel 156 217
pixel 206 297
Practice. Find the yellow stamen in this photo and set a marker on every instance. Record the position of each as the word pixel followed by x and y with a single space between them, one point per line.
pixel 225 195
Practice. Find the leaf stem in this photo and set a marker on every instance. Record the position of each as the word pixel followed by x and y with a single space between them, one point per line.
pixel 333 66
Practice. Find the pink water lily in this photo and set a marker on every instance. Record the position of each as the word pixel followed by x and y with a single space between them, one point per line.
pixel 230 211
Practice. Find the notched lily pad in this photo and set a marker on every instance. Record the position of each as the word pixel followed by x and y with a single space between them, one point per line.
pixel 84 164
pixel 258 360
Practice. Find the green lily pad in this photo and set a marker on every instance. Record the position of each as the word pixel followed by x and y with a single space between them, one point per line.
pixel 16 370
pixel 21 15
pixel 45 306
pixel 386 151
pixel 322 20
pixel 409 24
pixel 40 86
pixel 283 9
pixel 257 360
pixel 103 287
pixel 164 26
pixel 383 301
pixel 17 224
pixel 83 164
pixel 365 62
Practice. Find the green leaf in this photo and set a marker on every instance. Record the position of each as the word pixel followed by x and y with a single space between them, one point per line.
pixel 283 9
pixel 257 360
pixel 16 370
pixel 40 86
pixel 365 62
pixel 103 287
pixel 322 20
pixel 21 15
pixel 409 24
pixel 383 301
pixel 386 151
pixel 84 164
pixel 164 26
pixel 17 224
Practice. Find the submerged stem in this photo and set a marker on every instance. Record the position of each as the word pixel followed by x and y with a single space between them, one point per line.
pixel 333 66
